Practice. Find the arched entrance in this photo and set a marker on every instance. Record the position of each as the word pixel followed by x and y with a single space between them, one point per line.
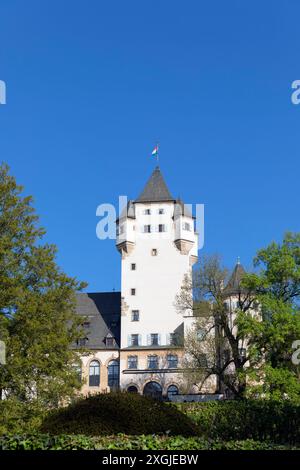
pixel 153 389
pixel 132 389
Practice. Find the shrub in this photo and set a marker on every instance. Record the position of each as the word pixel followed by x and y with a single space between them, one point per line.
pixel 251 419
pixel 114 413
pixel 18 417
pixel 122 442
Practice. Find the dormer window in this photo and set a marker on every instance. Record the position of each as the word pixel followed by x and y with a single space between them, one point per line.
pixel 82 342
pixel 110 341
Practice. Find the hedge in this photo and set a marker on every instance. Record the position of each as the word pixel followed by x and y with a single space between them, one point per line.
pixel 250 419
pixel 123 442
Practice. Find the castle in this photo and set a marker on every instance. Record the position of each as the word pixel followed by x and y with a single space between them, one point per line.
pixel 135 337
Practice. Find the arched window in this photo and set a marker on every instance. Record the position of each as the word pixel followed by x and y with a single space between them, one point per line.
pixel 94 374
pixel 132 389
pixel 153 389
pixel 113 374
pixel 172 390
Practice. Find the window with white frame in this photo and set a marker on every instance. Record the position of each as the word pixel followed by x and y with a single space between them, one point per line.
pixel 186 226
pixel 147 228
pixel 162 228
pixel 153 362
pixel 154 339
pixel 94 374
pixel 154 252
pixel 133 291
pixel 161 211
pixel 132 362
pixel 135 315
pixel 147 212
pixel 172 360
pixel 134 340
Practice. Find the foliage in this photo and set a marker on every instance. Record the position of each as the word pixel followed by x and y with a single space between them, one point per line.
pixel 37 319
pixel 260 420
pixel 123 442
pixel 18 417
pixel 277 285
pixel 106 414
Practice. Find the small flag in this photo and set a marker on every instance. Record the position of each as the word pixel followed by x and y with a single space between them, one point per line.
pixel 155 150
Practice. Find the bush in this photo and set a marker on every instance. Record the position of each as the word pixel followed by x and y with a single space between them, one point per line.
pixel 251 419
pixel 18 417
pixel 122 442
pixel 113 413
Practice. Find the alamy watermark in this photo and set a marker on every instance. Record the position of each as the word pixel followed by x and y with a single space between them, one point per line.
pixel 2 353
pixel 295 97
pixel 2 92
pixel 153 221
pixel 296 354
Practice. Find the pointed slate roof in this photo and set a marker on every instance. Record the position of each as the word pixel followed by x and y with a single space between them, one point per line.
pixel 102 311
pixel 233 285
pixel 156 189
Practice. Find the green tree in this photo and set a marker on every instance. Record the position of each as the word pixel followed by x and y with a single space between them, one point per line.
pixel 277 287
pixel 37 300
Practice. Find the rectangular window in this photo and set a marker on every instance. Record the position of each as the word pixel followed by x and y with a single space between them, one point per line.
pixel 154 252
pixel 201 333
pixel 132 362
pixel 172 361
pixel 173 339
pixel 135 315
pixel 147 228
pixel 154 339
pixel 133 291
pixel 147 212
pixel 161 211
pixel 187 226
pixel 133 266
pixel 134 340
pixel 162 228
pixel 152 362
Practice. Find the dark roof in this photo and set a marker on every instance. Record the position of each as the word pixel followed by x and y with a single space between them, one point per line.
pixel 156 189
pixel 233 285
pixel 102 310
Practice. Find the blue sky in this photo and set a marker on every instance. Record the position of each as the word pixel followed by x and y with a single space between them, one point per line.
pixel 92 85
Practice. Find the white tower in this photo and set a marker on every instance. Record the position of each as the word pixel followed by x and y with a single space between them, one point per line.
pixel 158 244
